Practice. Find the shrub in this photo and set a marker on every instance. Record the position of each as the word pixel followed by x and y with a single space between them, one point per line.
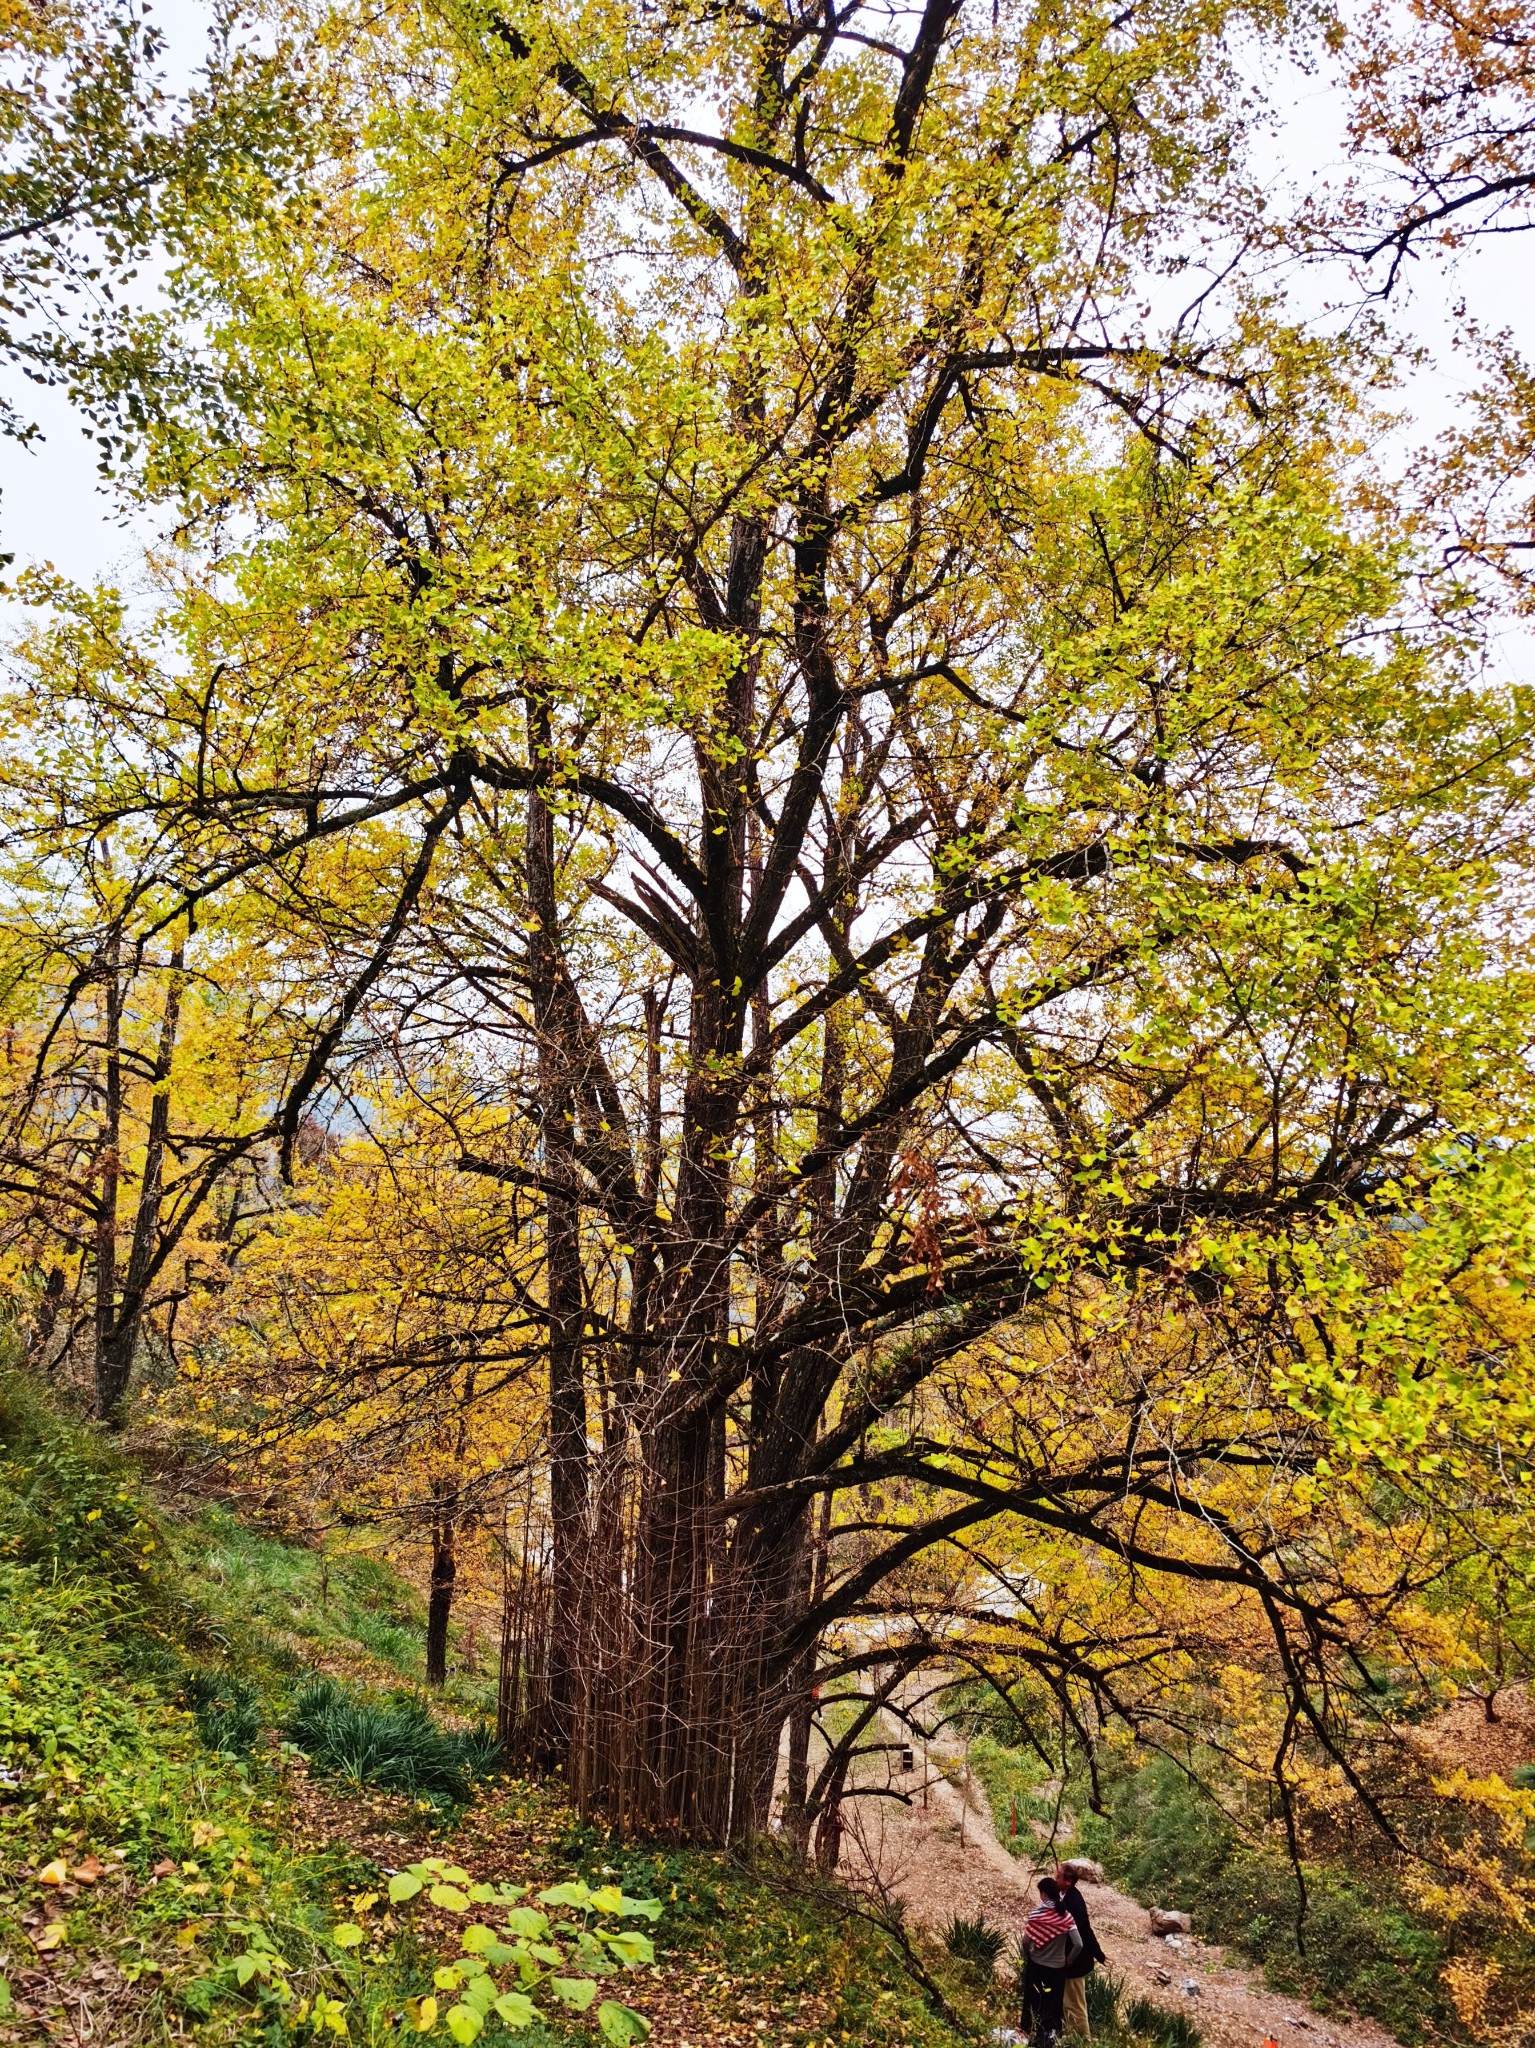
pixel 394 1744
pixel 974 1941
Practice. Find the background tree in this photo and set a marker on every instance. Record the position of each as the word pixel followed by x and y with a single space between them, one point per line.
pixel 376 1349
pixel 1445 93
pixel 1443 138
pixel 161 1043
pixel 104 165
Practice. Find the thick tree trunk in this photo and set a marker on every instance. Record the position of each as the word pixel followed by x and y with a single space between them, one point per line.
pixel 569 1454
pixel 673 1560
pixel 120 1316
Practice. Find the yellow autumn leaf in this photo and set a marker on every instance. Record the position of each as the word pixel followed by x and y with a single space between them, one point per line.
pixel 53 1873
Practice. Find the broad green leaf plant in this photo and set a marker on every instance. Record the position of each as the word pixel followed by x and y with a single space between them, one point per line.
pixel 543 1955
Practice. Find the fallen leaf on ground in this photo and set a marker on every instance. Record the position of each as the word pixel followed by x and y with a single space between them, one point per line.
pixel 164 1868
pixel 86 1872
pixel 50 1937
pixel 53 1873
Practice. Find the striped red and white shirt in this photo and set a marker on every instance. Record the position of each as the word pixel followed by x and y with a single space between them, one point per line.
pixel 1047 1925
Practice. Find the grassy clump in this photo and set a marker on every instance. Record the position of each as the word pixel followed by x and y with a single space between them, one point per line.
pixel 1105 1997
pixel 394 1744
pixel 974 1941
pixel 1149 2021
pixel 226 1709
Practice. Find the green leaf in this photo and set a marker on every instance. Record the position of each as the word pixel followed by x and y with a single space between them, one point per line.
pixel 402 1886
pixel 449 1897
pixel 465 2024
pixel 620 2024
pixel 631 1948
pixel 7 2003
pixel 515 2009
pixel 527 1923
pixel 348 1935
pixel 478 1940
pixel 611 1900
pixel 480 1995
pixel 576 1992
pixel 594 1956
pixel 571 1893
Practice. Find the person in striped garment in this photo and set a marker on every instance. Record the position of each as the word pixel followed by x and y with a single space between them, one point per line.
pixel 1051 1944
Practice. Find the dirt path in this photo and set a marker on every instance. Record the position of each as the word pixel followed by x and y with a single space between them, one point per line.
pixel 940 1854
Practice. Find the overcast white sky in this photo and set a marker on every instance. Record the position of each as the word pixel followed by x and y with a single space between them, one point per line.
pixel 52 508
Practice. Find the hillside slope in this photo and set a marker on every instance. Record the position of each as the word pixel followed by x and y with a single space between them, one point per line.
pixel 173 1868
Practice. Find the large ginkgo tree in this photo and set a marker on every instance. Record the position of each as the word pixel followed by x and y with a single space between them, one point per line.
pixel 914 801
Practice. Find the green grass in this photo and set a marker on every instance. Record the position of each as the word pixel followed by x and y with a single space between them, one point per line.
pixel 974 1941
pixel 394 1744
pixel 292 1607
pixel 288 1601
pixel 1158 2024
pixel 1016 1780
pixel 1105 1993
pixel 226 1709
